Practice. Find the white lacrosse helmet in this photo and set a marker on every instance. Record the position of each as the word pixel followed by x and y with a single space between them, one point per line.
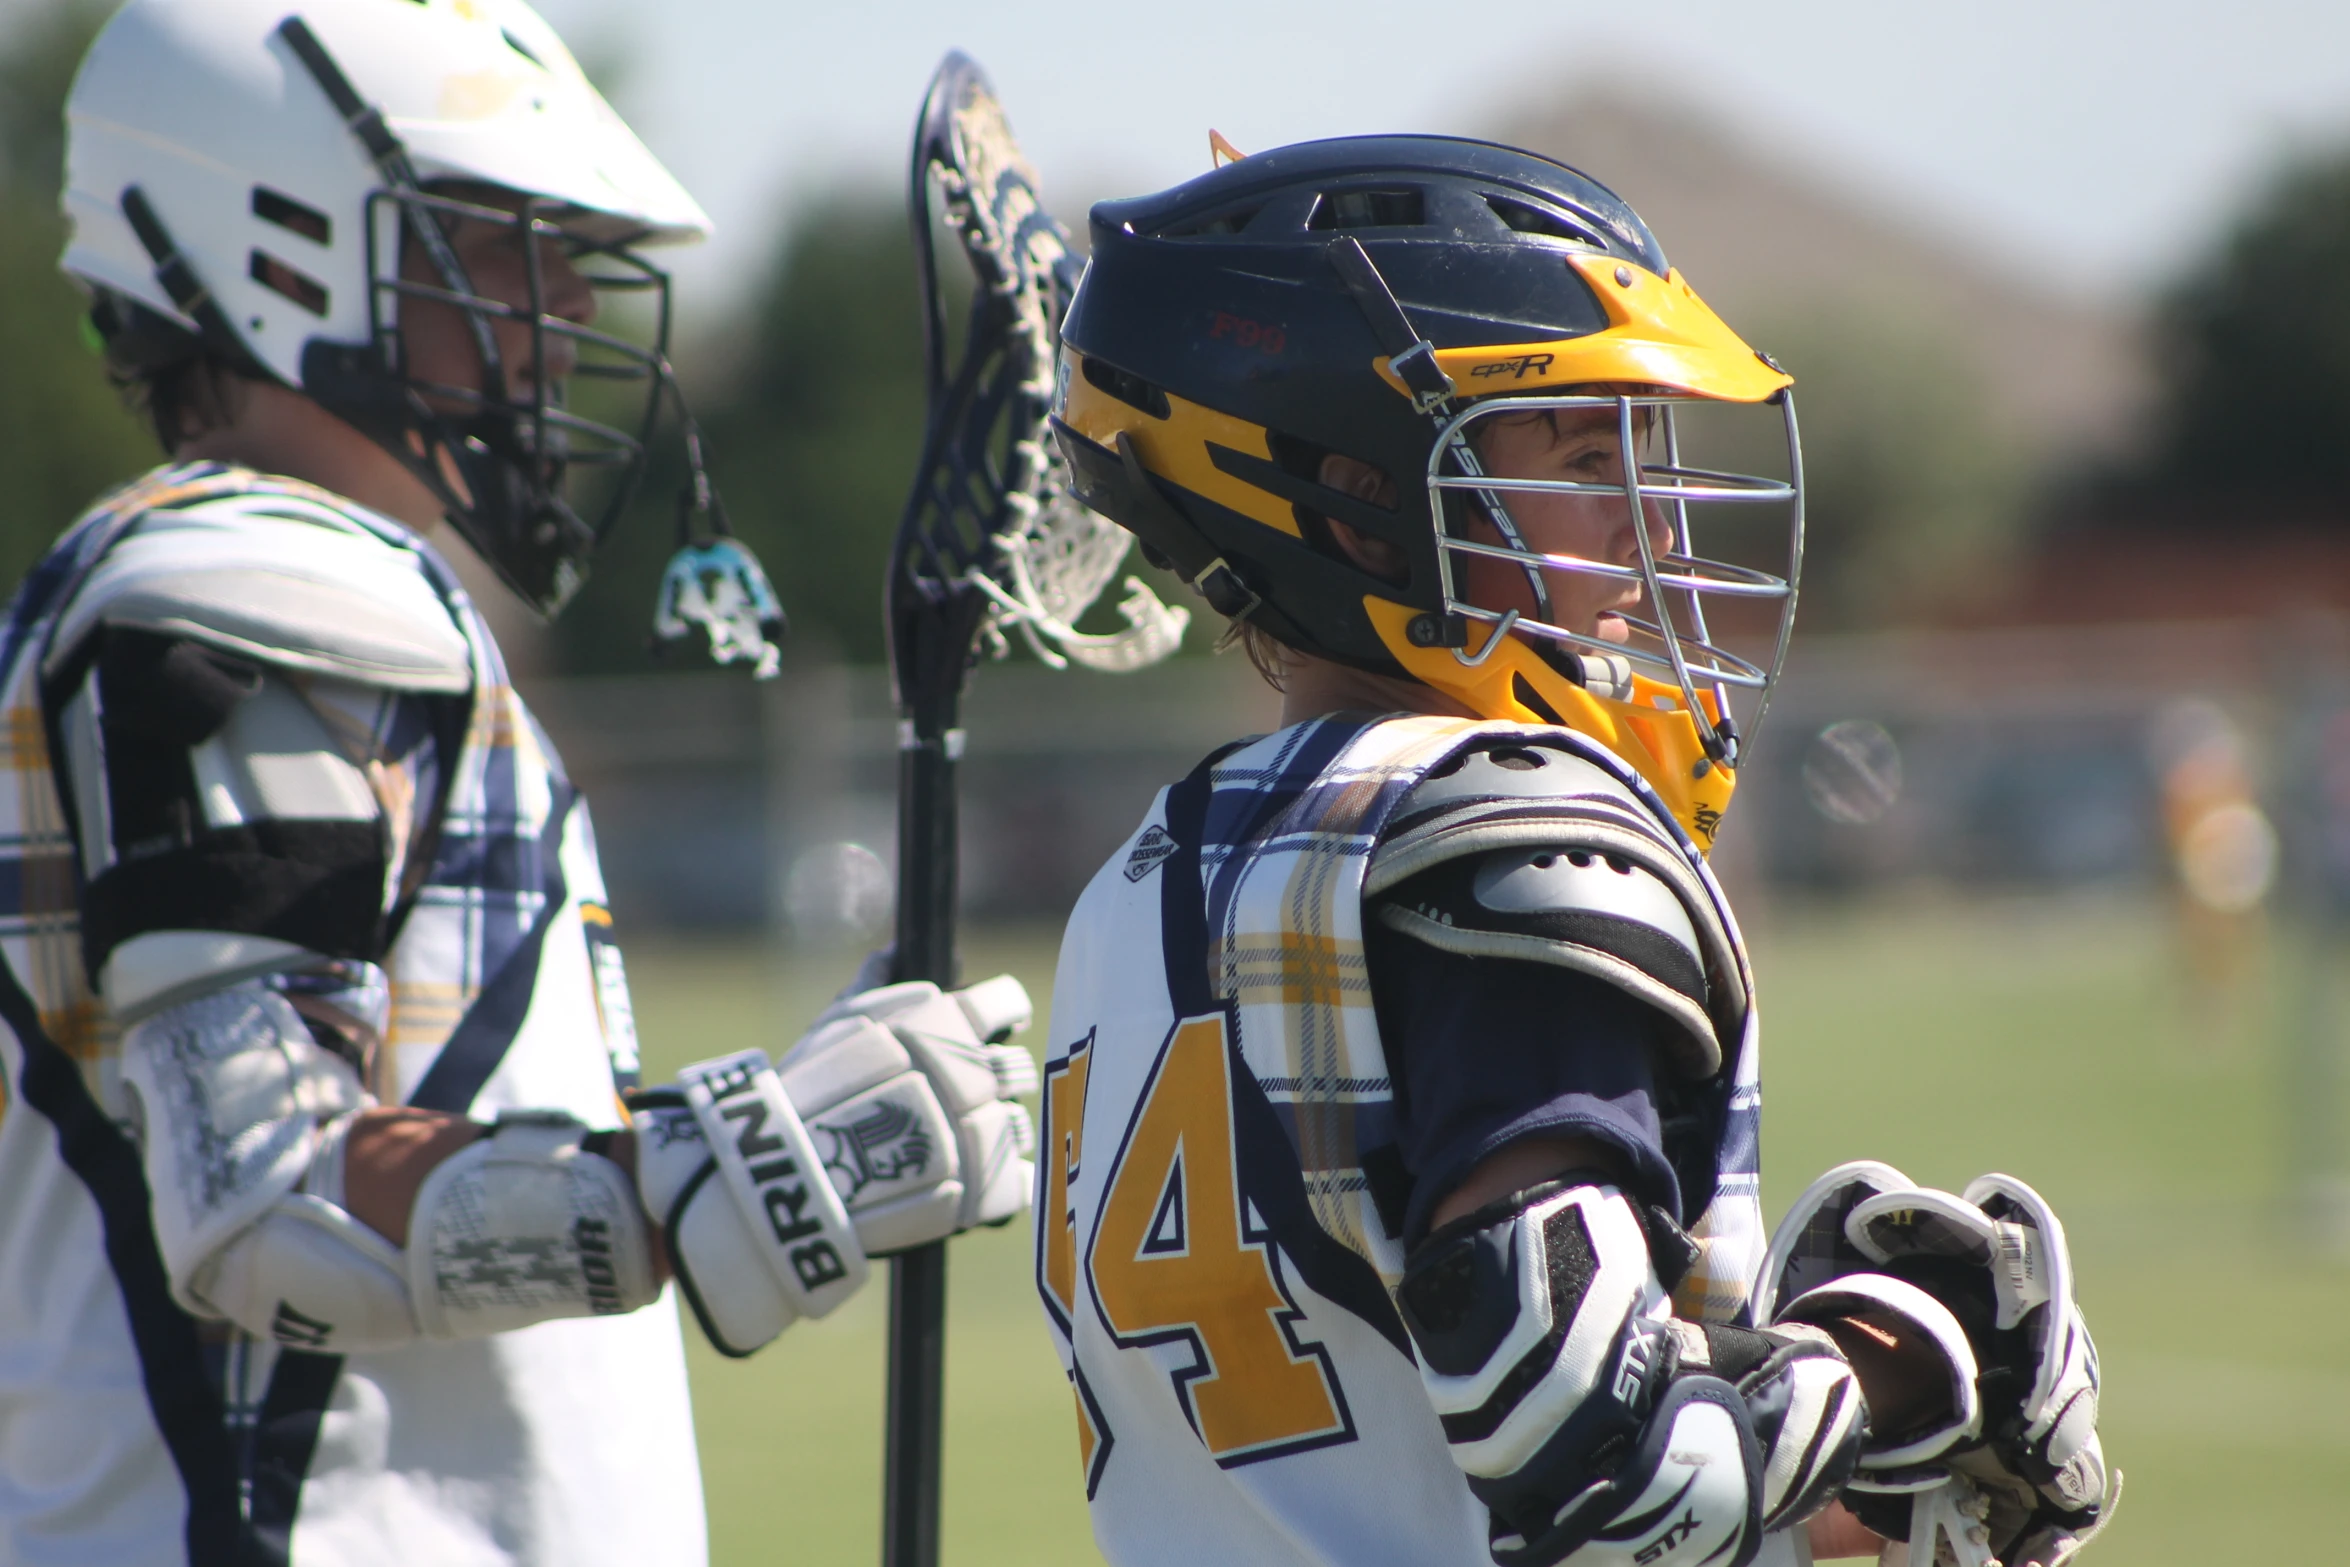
pixel 246 171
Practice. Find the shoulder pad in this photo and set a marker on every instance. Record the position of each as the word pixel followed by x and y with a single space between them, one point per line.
pixel 162 968
pixel 1526 850
pixel 291 591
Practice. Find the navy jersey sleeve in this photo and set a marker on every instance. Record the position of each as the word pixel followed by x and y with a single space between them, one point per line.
pixel 1485 1051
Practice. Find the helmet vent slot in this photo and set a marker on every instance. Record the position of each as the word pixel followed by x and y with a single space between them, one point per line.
pixel 1131 390
pixel 1230 221
pixel 295 217
pixel 1369 209
pixel 521 48
pixel 278 278
pixel 1549 225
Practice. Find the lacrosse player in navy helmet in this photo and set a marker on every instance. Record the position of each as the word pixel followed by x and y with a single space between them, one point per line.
pixel 328 1237
pixel 1411 1213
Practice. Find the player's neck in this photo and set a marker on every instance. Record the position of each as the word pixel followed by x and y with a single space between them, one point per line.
pixel 275 429
pixel 1315 687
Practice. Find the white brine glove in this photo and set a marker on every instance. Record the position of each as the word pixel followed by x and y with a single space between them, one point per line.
pixel 901 1098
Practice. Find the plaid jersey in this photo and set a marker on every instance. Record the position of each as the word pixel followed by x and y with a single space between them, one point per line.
pixel 1214 1250
pixel 128 1429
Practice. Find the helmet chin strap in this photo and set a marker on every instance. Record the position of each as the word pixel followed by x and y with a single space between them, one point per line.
pixel 1413 358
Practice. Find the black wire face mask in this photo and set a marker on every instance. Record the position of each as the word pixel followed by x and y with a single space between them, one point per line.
pixel 499 454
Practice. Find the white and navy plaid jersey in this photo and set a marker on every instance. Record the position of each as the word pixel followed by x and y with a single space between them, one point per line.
pixel 459 890
pixel 1219 1220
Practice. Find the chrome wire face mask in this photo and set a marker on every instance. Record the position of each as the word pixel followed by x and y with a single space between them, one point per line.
pixel 1676 646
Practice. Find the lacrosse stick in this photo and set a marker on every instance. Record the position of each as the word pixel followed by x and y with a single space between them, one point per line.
pixel 991 543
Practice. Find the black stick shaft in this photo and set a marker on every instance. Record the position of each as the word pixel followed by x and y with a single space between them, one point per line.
pixel 918 1279
pixel 917 1385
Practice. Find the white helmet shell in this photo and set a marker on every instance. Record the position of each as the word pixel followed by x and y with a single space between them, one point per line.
pixel 206 109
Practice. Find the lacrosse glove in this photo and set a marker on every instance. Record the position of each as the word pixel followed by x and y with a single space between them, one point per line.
pixel 891 1124
pixel 2014 1471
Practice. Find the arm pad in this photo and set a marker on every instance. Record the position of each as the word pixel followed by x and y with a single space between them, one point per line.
pixel 1585 1416
pixel 243 1119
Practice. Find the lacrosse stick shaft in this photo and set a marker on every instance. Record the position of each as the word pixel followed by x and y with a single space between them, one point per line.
pixel 979 469
pixel 930 742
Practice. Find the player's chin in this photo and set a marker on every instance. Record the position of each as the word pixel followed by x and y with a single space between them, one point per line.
pixel 1611 628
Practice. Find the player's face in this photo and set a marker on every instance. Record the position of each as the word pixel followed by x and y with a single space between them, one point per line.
pixel 497 259
pixel 1582 446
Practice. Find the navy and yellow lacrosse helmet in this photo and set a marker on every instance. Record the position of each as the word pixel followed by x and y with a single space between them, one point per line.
pixel 1376 298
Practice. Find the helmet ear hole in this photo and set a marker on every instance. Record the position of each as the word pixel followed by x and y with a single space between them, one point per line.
pixel 1132 390
pixel 1346 478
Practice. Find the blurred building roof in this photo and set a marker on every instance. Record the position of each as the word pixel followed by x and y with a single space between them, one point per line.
pixel 1763 237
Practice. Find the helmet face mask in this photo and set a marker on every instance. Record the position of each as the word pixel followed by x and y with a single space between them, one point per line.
pixel 1652 506
pixel 298 186
pixel 1382 300
pixel 467 382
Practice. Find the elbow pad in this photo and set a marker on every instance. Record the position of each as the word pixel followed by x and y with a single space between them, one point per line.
pixel 243 1118
pixel 1593 1425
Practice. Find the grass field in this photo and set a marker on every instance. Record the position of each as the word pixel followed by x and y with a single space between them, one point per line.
pixel 2053 1042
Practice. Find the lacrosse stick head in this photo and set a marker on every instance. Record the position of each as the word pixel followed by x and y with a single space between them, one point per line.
pixel 1295 376
pixel 992 542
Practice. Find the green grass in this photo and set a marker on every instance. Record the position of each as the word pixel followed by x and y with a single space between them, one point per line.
pixel 2055 1042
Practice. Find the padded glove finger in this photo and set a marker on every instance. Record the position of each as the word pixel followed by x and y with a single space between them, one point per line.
pixel 1809 1247
pixel 1994 1259
pixel 950 1041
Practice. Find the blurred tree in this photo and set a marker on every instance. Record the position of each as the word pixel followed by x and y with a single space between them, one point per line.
pixel 64 434
pixel 2255 354
pixel 1912 483
pixel 812 407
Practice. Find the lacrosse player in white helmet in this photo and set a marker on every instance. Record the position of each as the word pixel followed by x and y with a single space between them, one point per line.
pixel 328 1234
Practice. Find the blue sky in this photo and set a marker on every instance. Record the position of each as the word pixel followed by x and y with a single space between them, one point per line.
pixel 2108 135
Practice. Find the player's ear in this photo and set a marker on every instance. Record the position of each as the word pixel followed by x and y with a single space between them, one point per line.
pixel 1352 476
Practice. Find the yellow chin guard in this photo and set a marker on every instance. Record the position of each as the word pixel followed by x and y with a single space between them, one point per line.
pixel 1652 731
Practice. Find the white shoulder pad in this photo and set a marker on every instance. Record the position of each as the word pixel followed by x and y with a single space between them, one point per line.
pixel 285 590
pixel 1529 851
pixel 164 967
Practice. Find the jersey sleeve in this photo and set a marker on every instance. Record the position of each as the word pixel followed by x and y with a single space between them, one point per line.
pixel 1545 962
pixel 1486 1052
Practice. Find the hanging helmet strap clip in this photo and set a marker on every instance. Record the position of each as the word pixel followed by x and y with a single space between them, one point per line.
pixel 179 280
pixel 1411 356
